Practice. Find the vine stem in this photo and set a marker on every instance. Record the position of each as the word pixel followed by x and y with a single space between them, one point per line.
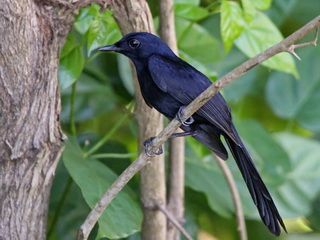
pixel 72 114
pixel 107 136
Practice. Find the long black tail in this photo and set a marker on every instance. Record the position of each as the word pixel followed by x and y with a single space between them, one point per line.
pixel 259 192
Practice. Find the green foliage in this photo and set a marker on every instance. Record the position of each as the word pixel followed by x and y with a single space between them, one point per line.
pixel 277 116
pixel 191 2
pixel 281 169
pixel 232 22
pixel 197 46
pixel 298 100
pixel 261 34
pixel 252 132
pixel 71 62
pixel 262 4
pixel 123 217
pixel 314 216
pixel 191 12
pixel 248 9
pixel 253 32
pixel 209 181
pixel 100 28
pixel 91 99
pixel 302 185
pixel 125 73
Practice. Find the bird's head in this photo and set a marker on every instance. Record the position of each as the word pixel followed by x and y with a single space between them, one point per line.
pixel 139 46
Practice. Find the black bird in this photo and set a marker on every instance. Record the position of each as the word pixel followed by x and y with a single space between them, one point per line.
pixel 169 84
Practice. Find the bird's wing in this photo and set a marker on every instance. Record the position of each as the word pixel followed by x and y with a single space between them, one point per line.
pixel 184 83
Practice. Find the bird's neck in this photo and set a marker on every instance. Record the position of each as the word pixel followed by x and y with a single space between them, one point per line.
pixel 140 65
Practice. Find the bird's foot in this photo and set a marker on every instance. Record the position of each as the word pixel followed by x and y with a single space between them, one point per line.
pixel 148 144
pixel 180 116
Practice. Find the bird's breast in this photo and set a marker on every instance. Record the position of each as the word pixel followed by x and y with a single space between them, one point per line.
pixel 155 97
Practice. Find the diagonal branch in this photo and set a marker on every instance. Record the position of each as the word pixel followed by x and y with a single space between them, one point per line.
pixel 174 221
pixel 123 179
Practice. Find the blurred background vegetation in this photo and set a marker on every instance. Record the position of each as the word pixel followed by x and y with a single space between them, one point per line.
pixel 276 108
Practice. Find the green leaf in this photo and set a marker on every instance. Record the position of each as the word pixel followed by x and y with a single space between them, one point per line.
pixel 192 2
pixel 209 180
pixel 208 71
pixel 304 236
pixel 70 44
pixel 71 66
pixel 232 22
pixel 93 99
pixel 123 216
pixel 190 11
pixel 73 212
pixel 280 11
pixel 294 198
pixel 261 4
pixel 261 34
pixel 195 41
pixel 298 100
pixel 125 73
pixel 245 85
pixel 249 10
pixel 85 18
pixel 103 31
pixel 314 217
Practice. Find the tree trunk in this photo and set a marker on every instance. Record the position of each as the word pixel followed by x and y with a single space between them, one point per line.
pixel 176 155
pixel 135 16
pixel 31 36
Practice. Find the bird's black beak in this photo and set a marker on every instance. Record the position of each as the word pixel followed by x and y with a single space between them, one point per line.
pixel 109 48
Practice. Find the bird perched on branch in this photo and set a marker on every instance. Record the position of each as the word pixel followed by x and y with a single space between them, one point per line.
pixel 169 84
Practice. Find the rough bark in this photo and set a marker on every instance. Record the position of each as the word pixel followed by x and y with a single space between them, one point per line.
pixel 135 16
pixel 31 37
pixel 176 152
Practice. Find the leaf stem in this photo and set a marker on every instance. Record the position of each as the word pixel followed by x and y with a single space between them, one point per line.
pixel 114 155
pixel 72 112
pixel 211 5
pixel 107 136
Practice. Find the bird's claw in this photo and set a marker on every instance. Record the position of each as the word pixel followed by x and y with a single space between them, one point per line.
pixel 188 122
pixel 180 116
pixel 149 144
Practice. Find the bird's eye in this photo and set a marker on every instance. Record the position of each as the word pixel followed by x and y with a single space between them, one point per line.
pixel 134 43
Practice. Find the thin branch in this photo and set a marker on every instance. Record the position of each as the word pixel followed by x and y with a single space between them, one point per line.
pixel 72 107
pixel 122 180
pixel 103 140
pixel 235 196
pixel 175 203
pixel 114 155
pixel 174 221
pixel 296 46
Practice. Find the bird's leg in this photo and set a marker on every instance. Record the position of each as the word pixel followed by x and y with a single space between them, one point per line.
pixel 184 134
pixel 149 144
pixel 180 116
